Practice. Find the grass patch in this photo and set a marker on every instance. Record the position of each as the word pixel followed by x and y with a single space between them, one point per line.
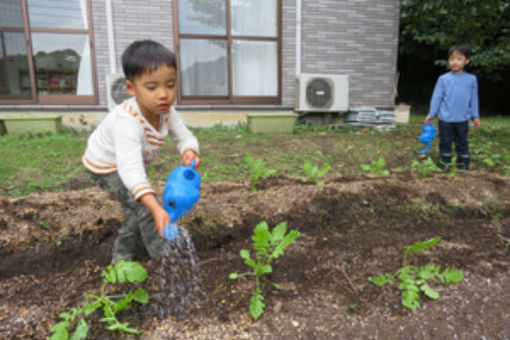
pixel 32 162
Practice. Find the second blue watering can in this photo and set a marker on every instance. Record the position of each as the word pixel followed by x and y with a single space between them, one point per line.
pixel 428 133
pixel 180 194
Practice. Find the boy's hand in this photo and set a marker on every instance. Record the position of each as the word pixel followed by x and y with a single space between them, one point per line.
pixel 161 220
pixel 428 119
pixel 476 123
pixel 188 156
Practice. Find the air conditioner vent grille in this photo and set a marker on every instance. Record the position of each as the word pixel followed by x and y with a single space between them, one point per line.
pixel 318 93
pixel 119 93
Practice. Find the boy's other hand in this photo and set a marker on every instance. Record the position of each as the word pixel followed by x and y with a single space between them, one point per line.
pixel 476 123
pixel 188 156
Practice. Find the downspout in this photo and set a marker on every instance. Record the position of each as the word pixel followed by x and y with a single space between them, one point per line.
pixel 111 36
pixel 298 37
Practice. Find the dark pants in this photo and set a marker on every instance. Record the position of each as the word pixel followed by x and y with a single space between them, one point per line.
pixel 456 133
pixel 138 228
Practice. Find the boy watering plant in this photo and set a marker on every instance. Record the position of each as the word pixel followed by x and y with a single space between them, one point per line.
pixel 455 102
pixel 129 138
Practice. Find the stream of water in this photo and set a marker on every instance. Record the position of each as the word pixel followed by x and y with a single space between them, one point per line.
pixel 177 285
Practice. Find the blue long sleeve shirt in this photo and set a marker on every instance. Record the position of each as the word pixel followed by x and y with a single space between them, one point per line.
pixel 455 98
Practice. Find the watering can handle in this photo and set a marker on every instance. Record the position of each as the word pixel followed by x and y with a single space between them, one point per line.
pixel 428 123
pixel 193 164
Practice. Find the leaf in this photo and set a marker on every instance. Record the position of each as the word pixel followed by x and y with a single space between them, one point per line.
pixel 278 233
pixel 141 296
pixel 245 254
pixel 123 303
pixel 428 272
pixel 60 334
pixel 66 316
pixel 422 246
pixel 263 270
pixel 233 276
pixel 382 279
pixel 365 167
pixel 59 326
pixel 429 291
pixel 260 239
pixel 81 331
pixel 109 275
pixel 451 275
pixel 91 308
pixel 131 271
pixel 288 239
pixel 257 304
pixel 410 299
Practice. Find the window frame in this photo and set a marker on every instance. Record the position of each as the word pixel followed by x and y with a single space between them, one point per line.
pixel 230 98
pixel 52 99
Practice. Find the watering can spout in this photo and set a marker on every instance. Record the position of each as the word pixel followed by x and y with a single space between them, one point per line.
pixel 182 191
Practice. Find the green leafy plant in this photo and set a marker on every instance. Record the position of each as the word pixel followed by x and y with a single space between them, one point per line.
pixel 413 279
pixel 314 172
pixel 376 167
pixel 257 171
pixel 452 168
pixel 425 167
pixel 122 272
pixel 268 246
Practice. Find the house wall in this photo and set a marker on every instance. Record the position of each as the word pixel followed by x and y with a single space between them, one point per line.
pixel 355 37
pixel 132 20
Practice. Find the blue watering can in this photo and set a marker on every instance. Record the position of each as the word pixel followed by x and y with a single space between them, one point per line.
pixel 428 133
pixel 180 194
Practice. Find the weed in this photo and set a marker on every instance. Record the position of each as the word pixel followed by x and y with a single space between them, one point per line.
pixel 44 225
pixel 268 246
pixel 257 171
pixel 314 173
pixel 425 167
pixel 124 271
pixel 413 279
pixel 376 167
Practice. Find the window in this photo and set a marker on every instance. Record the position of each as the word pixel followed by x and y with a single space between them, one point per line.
pixel 229 51
pixel 46 54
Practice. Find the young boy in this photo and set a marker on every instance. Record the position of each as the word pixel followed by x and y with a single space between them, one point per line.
pixel 129 138
pixel 455 102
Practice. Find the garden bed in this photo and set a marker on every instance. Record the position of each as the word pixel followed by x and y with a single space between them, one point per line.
pixel 53 247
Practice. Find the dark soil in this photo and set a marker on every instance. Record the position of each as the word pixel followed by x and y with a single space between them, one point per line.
pixel 53 247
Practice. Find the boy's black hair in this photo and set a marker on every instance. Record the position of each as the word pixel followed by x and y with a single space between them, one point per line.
pixel 145 56
pixel 461 48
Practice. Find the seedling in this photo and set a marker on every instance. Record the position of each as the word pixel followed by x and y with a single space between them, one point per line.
pixel 376 167
pixel 257 171
pixel 413 279
pixel 122 272
pixel 314 173
pixel 425 167
pixel 268 246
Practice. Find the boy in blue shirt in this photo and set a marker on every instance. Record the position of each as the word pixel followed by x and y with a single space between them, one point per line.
pixel 455 102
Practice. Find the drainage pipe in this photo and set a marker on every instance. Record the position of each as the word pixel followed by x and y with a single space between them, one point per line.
pixel 111 36
pixel 298 37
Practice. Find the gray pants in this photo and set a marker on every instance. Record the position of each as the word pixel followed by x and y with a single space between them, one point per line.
pixel 138 226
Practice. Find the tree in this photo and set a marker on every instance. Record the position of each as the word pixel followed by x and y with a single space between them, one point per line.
pixel 430 27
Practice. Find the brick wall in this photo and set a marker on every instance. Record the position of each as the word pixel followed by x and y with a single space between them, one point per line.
pixel 355 37
pixel 132 20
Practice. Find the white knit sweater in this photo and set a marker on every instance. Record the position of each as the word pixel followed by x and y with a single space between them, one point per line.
pixel 125 142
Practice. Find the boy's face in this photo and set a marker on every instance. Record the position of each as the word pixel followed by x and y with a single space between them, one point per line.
pixel 154 91
pixel 457 61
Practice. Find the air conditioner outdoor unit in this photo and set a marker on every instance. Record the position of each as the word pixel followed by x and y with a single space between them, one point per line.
pixel 116 89
pixel 322 92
